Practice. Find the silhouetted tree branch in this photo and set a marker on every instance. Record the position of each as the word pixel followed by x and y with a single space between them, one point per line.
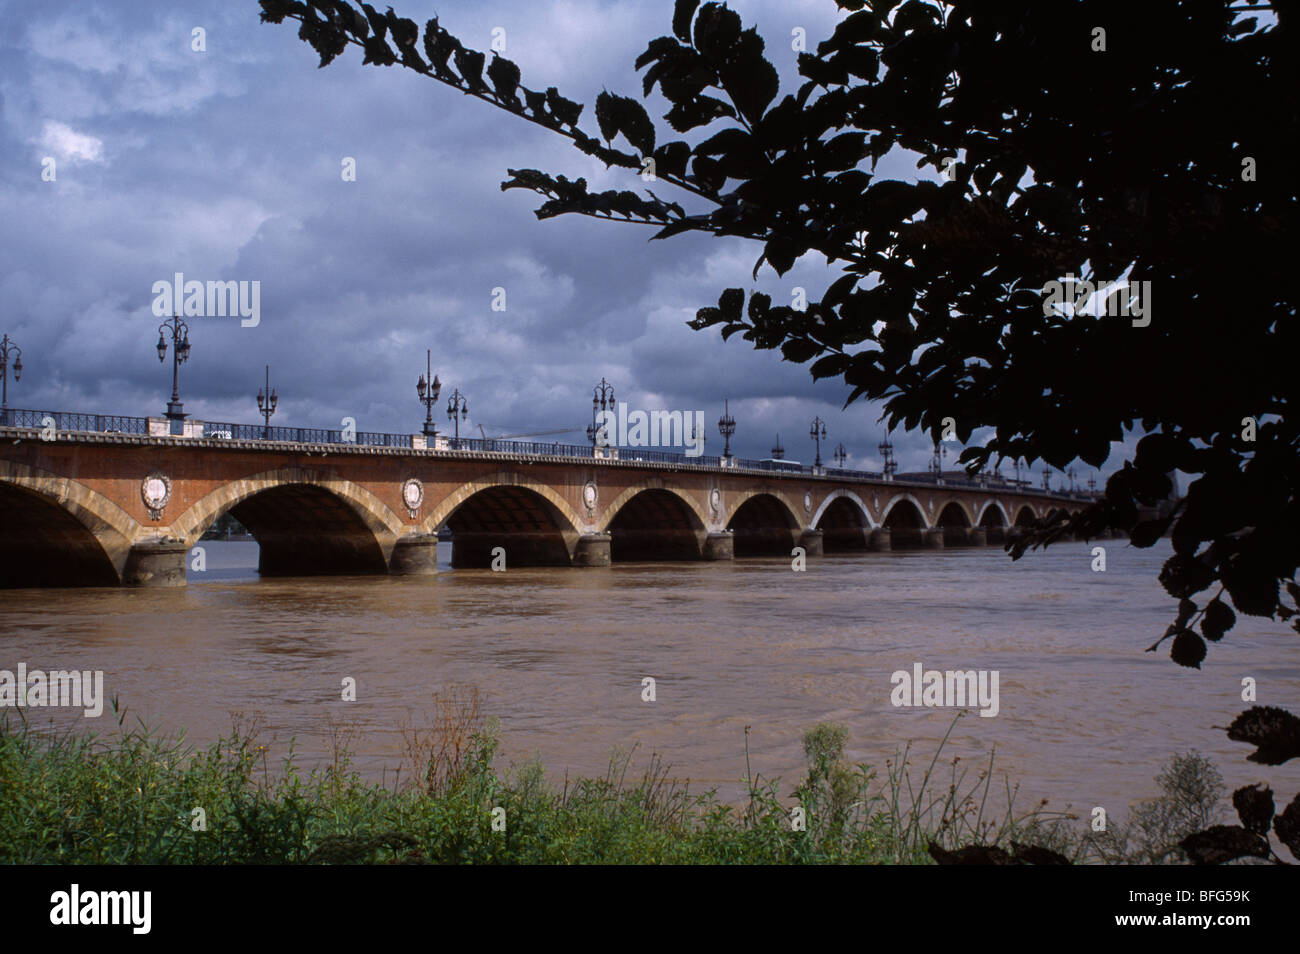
pixel 1142 142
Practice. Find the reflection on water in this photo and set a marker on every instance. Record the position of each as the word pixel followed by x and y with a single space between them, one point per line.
pixel 1085 715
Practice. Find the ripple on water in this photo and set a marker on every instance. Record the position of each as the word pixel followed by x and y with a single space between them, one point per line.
pixel 1086 717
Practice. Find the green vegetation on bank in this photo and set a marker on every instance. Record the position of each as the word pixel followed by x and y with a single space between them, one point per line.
pixel 132 799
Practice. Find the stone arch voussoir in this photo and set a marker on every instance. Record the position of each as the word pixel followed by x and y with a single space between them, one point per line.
pixel 996 505
pixel 612 509
pixel 835 495
pixel 373 512
pixel 926 523
pixel 943 505
pixel 444 508
pixel 113 528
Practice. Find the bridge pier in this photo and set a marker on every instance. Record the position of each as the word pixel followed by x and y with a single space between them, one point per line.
pixel 592 549
pixel 811 541
pixel 720 546
pixel 880 540
pixel 156 564
pixel 415 555
pixel 977 537
pixel 932 539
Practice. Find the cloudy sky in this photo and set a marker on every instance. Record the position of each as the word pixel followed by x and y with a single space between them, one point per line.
pixel 225 164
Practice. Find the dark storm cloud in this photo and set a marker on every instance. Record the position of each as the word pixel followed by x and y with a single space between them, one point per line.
pixel 225 164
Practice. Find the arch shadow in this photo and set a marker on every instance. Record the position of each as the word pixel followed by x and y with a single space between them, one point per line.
pixel 844 521
pixel 55 531
pixel 763 524
pixel 652 524
pixel 906 521
pixel 306 522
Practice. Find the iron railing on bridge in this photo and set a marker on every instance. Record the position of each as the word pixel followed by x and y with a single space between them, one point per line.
pixel 637 454
pixel 497 446
pixel 119 424
pixel 301 435
pixel 74 421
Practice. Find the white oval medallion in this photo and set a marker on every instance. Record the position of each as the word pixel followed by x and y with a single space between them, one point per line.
pixel 155 491
pixel 413 494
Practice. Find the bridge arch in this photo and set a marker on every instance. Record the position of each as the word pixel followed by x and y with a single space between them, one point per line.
pixel 954 513
pixel 840 494
pixel 955 520
pixel 617 504
pixel 530 522
pixel 895 503
pixel 845 521
pixel 994 521
pixel 55 531
pixel 306 521
pixel 738 498
pixel 505 478
pixel 905 518
pixel 763 523
pixel 993 514
pixel 651 522
pixel 1025 516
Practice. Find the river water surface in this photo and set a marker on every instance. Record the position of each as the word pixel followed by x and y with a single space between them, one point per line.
pixel 1085 716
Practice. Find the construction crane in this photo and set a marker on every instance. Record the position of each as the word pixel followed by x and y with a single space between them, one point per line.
pixel 505 437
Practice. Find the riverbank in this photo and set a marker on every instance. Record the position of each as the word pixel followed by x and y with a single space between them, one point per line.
pixel 137 798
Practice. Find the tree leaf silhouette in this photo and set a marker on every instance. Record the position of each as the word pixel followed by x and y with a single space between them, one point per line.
pixel 1223 843
pixel 1275 733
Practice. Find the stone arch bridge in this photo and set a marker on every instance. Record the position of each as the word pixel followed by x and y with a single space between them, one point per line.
pixel 91 508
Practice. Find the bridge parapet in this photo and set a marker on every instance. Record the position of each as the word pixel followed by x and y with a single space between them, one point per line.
pixel 66 425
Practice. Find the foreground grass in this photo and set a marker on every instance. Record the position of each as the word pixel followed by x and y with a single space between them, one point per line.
pixel 138 798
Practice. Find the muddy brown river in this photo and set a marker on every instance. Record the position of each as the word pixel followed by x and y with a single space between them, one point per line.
pixel 1084 716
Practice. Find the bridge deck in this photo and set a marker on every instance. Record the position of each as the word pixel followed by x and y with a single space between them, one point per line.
pixel 109 500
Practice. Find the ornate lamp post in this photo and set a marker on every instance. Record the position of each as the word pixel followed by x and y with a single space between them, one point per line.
pixel 840 455
pixel 602 399
pixel 778 452
pixel 936 461
pixel 887 455
pixel 429 388
pixel 8 347
pixel 1092 484
pixel 1071 473
pixel 180 335
pixel 1047 478
pixel 817 436
pixel 726 427
pixel 457 405
pixel 266 402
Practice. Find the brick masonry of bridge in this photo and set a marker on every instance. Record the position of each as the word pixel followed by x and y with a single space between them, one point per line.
pixel 109 509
